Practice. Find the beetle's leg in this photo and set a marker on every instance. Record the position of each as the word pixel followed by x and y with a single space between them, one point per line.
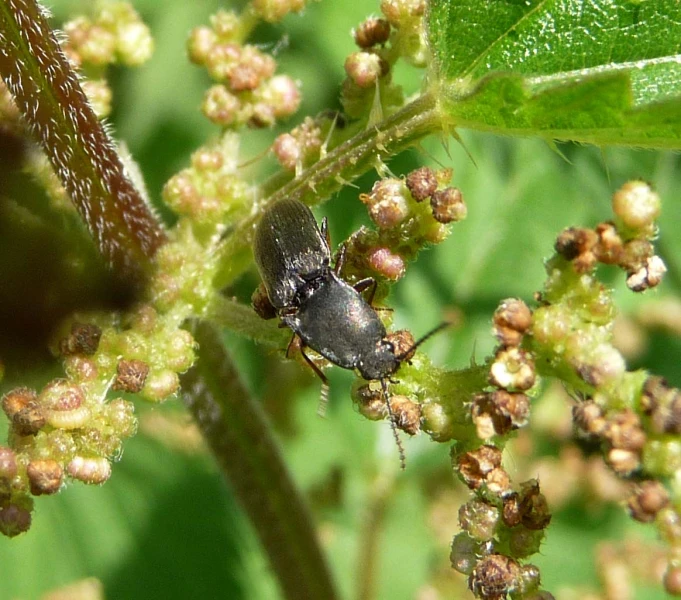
pixel 340 261
pixel 290 344
pixel 324 397
pixel 325 231
pixel 370 282
pixel 365 284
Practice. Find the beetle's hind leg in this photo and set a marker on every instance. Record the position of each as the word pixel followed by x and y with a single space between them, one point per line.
pixel 324 397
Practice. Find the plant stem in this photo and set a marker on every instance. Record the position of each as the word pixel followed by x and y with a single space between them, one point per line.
pixel 342 165
pixel 235 428
pixel 374 522
pixel 242 319
pixel 51 100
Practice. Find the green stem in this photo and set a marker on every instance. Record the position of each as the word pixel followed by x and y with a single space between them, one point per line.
pixel 235 428
pixel 339 167
pixel 51 100
pixel 242 319
pixel 382 489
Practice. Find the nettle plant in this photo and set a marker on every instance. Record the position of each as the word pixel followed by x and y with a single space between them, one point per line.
pixel 147 322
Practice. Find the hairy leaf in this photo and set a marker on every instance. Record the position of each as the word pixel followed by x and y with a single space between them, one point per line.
pixel 596 71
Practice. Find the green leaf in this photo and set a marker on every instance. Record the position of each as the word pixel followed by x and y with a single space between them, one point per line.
pixel 602 72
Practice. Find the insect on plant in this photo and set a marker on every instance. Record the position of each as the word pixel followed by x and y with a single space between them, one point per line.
pixel 329 315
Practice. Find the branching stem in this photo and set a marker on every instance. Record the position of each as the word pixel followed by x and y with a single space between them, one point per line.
pixel 340 166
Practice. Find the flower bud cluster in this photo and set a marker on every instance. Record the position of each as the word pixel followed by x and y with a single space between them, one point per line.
pixel 210 193
pixel 300 147
pixel 247 91
pixel 64 431
pixel 625 243
pixel 382 42
pixel 625 440
pixel 405 225
pixel 512 373
pixel 499 527
pixel 406 17
pixel 114 35
pixel 273 11
pixel 75 427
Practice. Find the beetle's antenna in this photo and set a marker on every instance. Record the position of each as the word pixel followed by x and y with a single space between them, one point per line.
pixel 431 333
pixel 391 414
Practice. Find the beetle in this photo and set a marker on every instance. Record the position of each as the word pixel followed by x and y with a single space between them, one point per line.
pixel 328 314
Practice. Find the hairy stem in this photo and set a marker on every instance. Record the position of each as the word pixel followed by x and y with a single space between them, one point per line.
pixel 51 100
pixel 342 165
pixel 239 436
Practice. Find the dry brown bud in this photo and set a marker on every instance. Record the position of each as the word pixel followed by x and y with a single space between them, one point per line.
pixel 533 506
pixel 648 499
pixel 483 467
pixel 511 513
pixel 448 205
pixel 16 400
pixel 494 577
pixel 83 339
pixel 372 32
pixel 512 369
pixel 578 244
pixel 130 376
pixel 588 416
pixel 403 343
pixel 407 414
pixel 422 183
pixel 511 320
pixel 501 410
pixel 654 390
pixel 635 253
pixel 44 477
pixel 648 276
pixel 623 430
pixel 24 411
pixel 609 248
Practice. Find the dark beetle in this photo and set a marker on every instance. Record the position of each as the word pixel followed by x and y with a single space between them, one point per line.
pixel 329 315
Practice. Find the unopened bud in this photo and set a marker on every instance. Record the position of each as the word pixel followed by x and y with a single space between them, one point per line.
pixel 372 32
pixel 365 68
pixel 448 205
pixel 44 477
pixel 636 204
pixel 422 183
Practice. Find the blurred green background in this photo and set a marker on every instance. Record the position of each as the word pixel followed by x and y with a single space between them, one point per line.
pixel 166 526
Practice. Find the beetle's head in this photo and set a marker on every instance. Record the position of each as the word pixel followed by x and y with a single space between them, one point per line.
pixel 380 362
